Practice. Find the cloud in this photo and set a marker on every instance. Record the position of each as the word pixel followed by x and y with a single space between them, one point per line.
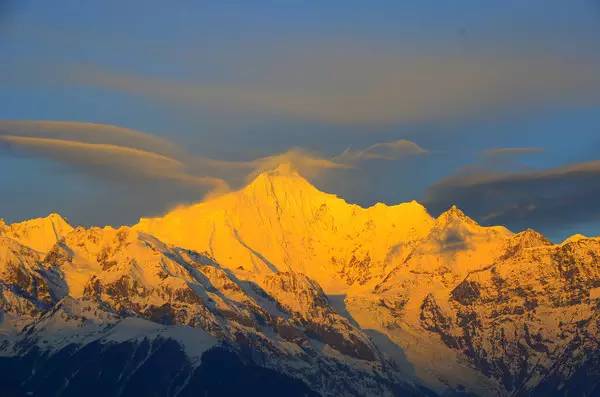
pixel 87 132
pixel 313 165
pixel 237 173
pixel 130 157
pixel 112 152
pixel 390 151
pixel 551 199
pixel 309 165
pixel 511 151
pixel 112 161
pixel 359 86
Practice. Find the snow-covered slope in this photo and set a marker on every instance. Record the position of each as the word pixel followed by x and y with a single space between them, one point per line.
pixel 280 222
pixel 39 234
pixel 494 315
pixel 281 281
pixel 282 321
pixel 27 286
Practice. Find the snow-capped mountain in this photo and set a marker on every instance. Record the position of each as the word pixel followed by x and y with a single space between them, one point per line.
pixel 39 234
pixel 281 289
pixel 280 222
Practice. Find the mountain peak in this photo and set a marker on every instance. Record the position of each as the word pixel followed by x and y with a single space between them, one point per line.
pixel 531 234
pixel 575 237
pixel 453 215
pixel 284 169
pixel 283 178
pixel 38 233
pixel 56 218
pixel 52 218
pixel 529 238
pixel 454 211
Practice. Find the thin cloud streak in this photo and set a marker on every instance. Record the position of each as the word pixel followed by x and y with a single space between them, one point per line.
pixel 389 151
pixel 112 161
pixel 87 132
pixel 511 151
pixel 336 89
pixel 87 151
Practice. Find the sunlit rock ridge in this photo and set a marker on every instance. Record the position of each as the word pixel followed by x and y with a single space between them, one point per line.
pixel 280 222
pixel 281 289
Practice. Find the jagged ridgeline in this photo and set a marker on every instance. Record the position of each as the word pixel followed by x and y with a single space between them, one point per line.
pixel 281 289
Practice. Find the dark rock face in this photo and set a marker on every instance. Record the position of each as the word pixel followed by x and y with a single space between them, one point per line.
pixel 584 381
pixel 147 368
pixel 27 285
pixel 528 321
pixel 350 346
pixel 434 320
pixel 466 292
pixel 222 373
pixel 356 270
pixel 282 327
pixel 497 318
pixel 310 310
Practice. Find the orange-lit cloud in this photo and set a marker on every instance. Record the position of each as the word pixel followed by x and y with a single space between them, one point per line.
pixel 313 164
pixel 307 164
pixel 123 154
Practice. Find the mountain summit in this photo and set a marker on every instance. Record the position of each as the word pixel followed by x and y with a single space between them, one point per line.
pixel 281 288
pixel 38 233
pixel 281 222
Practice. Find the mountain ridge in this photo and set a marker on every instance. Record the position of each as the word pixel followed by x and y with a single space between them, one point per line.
pixel 321 228
pixel 38 233
pixel 383 300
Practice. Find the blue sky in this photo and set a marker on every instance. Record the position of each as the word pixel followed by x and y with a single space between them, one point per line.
pixel 494 93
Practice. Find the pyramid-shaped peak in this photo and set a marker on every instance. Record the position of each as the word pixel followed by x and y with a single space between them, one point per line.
pixel 574 238
pixel 530 238
pixel 455 210
pixel 57 218
pixel 284 177
pixel 453 214
pixel 39 233
pixel 52 218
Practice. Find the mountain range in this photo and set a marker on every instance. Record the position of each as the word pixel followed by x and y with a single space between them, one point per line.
pixel 281 289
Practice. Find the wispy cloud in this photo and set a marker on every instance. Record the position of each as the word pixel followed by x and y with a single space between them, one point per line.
pixel 390 151
pixel 87 132
pixel 371 87
pixel 112 161
pixel 122 154
pixel 511 151
pixel 553 198
pixel 306 163
pixel 112 152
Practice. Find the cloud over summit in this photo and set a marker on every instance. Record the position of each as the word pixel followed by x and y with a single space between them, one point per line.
pixel 124 155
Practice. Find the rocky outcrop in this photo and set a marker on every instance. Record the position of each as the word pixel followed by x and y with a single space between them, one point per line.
pixel 282 322
pixel 526 318
pixel 27 286
pixel 283 281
